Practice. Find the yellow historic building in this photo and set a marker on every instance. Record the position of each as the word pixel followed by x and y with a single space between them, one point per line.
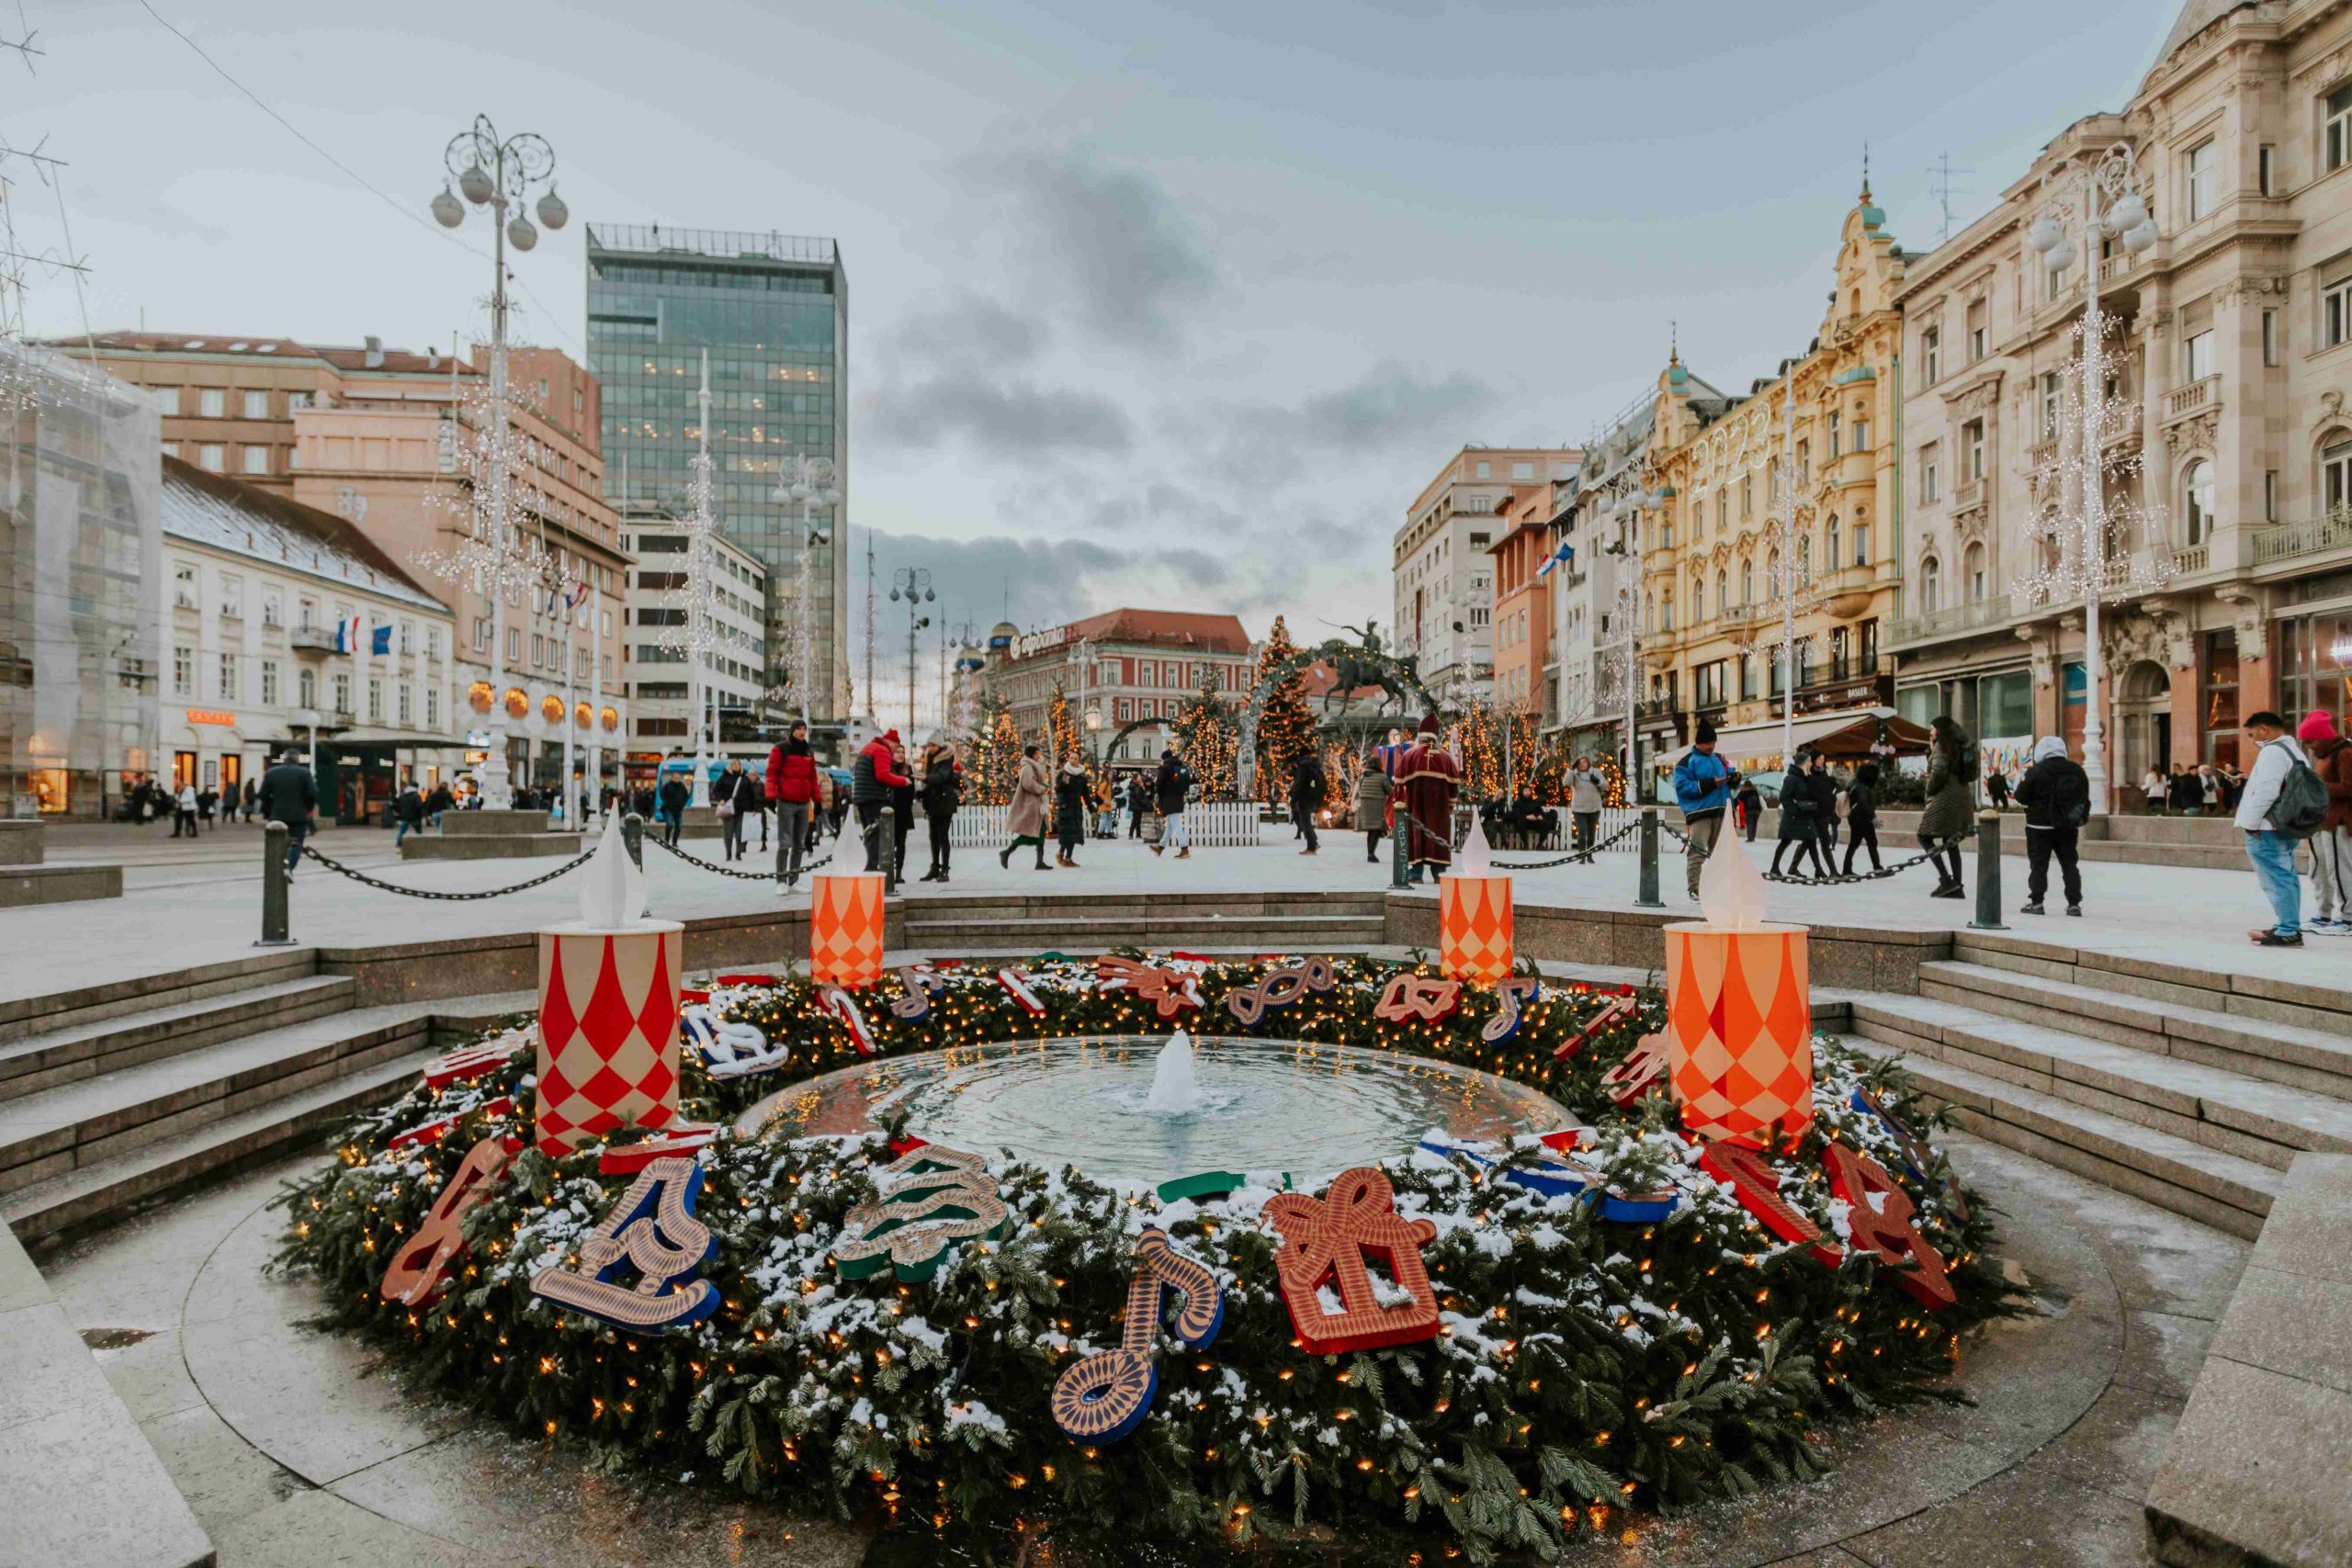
pixel 1712 554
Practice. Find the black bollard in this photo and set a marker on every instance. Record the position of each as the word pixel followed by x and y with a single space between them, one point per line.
pixel 1647 897
pixel 1988 873
pixel 633 838
pixel 276 906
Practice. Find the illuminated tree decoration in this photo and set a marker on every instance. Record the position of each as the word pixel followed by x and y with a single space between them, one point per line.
pixel 1285 728
pixel 1325 1242
pixel 1107 1397
pixel 1061 739
pixel 1205 729
pixel 1622 1006
pixel 995 761
pixel 933 1198
pixel 652 1228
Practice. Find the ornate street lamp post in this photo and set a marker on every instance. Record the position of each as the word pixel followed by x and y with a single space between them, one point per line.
pixel 1624 497
pixel 913 584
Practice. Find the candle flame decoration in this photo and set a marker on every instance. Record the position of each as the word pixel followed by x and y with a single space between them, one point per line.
pixel 1731 895
pixel 611 888
pixel 1477 859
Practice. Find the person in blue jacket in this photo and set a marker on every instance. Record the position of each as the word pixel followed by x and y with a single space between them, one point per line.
pixel 1703 783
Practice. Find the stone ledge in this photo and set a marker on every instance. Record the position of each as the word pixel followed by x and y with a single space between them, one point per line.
pixel 80 1486
pixel 2254 1475
pixel 24 884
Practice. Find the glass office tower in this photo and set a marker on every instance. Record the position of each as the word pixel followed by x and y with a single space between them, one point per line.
pixel 773 311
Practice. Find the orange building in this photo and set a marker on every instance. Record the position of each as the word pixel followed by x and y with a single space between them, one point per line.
pixel 1522 617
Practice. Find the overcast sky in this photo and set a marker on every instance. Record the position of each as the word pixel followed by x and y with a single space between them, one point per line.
pixel 1169 305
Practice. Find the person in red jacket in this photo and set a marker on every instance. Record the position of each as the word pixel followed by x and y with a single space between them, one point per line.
pixel 871 779
pixel 792 785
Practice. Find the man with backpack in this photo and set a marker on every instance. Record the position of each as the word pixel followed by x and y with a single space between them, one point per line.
pixel 2056 794
pixel 2283 804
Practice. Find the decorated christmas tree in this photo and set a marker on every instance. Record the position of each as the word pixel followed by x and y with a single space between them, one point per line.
pixel 1478 742
pixel 1284 727
pixel 1208 736
pixel 1061 738
pixel 995 761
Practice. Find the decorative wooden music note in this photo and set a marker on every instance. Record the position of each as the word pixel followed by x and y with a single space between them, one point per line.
pixel 1107 1397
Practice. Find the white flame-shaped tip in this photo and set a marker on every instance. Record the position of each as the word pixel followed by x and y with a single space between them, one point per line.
pixel 611 889
pixel 1731 895
pixel 1477 859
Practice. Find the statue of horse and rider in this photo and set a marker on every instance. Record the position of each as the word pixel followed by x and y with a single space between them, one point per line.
pixel 1361 663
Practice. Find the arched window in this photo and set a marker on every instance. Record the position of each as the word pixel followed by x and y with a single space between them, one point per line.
pixel 1723 593
pixel 1971 566
pixel 1930 586
pixel 1772 584
pixel 2336 472
pixel 1666 613
pixel 1831 556
pixel 1805 559
pixel 2197 503
pixel 1747 582
pixel 1698 517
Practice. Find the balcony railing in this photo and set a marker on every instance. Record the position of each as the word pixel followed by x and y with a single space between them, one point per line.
pixel 313 639
pixel 2195 558
pixel 1967 493
pixel 2314 535
pixel 1972 616
pixel 2200 394
pixel 2041 454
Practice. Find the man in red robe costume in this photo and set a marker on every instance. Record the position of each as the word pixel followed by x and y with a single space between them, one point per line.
pixel 1426 780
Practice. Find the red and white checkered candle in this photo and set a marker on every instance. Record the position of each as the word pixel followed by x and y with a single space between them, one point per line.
pixel 609 1031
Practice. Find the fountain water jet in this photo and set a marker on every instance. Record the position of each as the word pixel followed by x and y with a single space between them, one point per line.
pixel 1173 1088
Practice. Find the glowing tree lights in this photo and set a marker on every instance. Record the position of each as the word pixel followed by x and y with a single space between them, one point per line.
pixel 806 480
pixel 692 631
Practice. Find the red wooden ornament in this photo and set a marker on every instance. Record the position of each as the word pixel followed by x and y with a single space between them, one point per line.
pixel 1325 1240
pixel 1421 997
pixel 1642 1070
pixel 440 1127
pixel 1879 1220
pixel 1756 1186
pixel 1170 991
pixel 678 1138
pixel 473 1061
pixel 419 1270
pixel 1016 986
pixel 1620 1005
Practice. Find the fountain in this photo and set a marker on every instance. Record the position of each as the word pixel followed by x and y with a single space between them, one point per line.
pixel 1146 1108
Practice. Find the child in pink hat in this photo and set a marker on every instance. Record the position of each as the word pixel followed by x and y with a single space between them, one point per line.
pixel 2331 847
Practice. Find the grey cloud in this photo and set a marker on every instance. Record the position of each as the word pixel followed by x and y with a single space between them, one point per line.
pixel 1013 420
pixel 1389 408
pixel 973 332
pixel 1387 402
pixel 1129 254
pixel 1044 581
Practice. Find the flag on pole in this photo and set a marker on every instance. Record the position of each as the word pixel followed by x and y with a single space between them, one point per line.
pixel 380 641
pixel 346 634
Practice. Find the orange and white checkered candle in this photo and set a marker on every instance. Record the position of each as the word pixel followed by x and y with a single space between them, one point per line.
pixel 609 1031
pixel 845 930
pixel 1739 1031
pixel 1474 928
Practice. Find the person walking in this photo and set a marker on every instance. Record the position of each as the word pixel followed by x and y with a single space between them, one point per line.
pixel 2156 788
pixel 902 809
pixel 1371 804
pixel 792 785
pixel 251 798
pixel 942 792
pixel 1702 786
pixel 2268 844
pixel 439 801
pixel 1308 787
pixel 752 798
pixel 1825 809
pixel 1427 777
pixel 408 812
pixel 1951 815
pixel 1031 789
pixel 1862 817
pixel 725 793
pixel 184 813
pixel 1138 804
pixel 1585 797
pixel 1072 812
pixel 872 776
pixel 290 794
pixel 2056 794
pixel 670 804
pixel 1169 786
pixel 1796 821
pixel 2331 847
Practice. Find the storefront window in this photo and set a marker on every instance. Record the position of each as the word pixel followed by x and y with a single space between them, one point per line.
pixel 52 792
pixel 2218 695
pixel 2315 666
pixel 2005 705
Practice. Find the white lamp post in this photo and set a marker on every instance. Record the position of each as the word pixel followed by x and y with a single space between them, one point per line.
pixel 807 480
pixel 2075 216
pixel 913 584
pixel 1624 497
pixel 498 174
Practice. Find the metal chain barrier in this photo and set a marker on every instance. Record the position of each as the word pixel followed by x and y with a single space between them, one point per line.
pixel 1573 857
pixel 381 885
pixel 1836 879
pixel 806 866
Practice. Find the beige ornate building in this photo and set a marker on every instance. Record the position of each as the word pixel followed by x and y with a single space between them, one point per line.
pixel 2233 346
pixel 1715 557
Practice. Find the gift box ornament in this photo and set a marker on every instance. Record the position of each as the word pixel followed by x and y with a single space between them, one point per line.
pixel 845 929
pixel 1738 1012
pixel 1474 916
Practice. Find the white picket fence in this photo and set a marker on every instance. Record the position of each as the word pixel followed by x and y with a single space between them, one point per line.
pixel 1612 818
pixel 1215 824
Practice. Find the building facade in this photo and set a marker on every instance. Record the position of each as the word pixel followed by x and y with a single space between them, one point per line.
pixel 80 547
pixel 1441 575
pixel 1521 567
pixel 661 680
pixel 772 310
pixel 1133 669
pixel 271 612
pixel 2231 343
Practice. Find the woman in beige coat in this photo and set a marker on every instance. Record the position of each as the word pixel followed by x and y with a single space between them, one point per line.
pixel 1030 793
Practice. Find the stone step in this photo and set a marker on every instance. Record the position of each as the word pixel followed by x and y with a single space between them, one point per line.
pixel 78 1125
pixel 23 1016
pixel 2251 1118
pixel 90 1197
pixel 1284 904
pixel 2204 1184
pixel 1296 933
pixel 489 846
pixel 2169 1024
pixel 23 885
pixel 67 1056
pixel 2309 1001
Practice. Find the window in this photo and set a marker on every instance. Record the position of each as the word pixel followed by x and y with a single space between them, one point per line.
pixel 433 642
pixel 1832 556
pixel 1523 471
pixel 212 455
pixel 306 614
pixel 1972 567
pixel 183 671
pixel 514 645
pixel 481 634
pixel 1747 582
pixel 171 448
pixel 273 609
pixel 1747 500
pixel 1833 436
pixel 256 459
pixel 269 683
pixel 1804 462
pixel 228 676
pixel 1930 586
pixel 212 404
pixel 1862 432
pixel 1805 559
pixel 1723 593
pixel 1971 441
pixel 1931 355
pixel 2263 165
pixel 184 586
pixel 432 707
pixel 2336 477
pixel 1485 470
pixel 2053 401
pixel 2337 137
pixel 1862 543
pixel 231 602
pixel 1930 467
pixel 2271 495
pixel 167 400
pixel 2270 337
pixel 408 637
pixel 256 405
pixel 404 707
pixel 2204 180
pixel 2197 356
pixel 2197 503
pixel 1976 332
pixel 298 400
pixel 2335 313
pixel 343 694
pixel 306 684
pixel 1698 518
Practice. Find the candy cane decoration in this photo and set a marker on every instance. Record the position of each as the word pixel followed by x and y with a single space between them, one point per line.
pixel 1016 986
pixel 843 1006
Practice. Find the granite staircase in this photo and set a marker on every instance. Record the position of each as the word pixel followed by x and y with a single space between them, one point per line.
pixel 1087 924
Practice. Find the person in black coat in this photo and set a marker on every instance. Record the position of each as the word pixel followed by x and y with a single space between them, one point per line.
pixel 1796 820
pixel 942 792
pixel 672 797
pixel 1073 809
pixel 1308 787
pixel 290 794
pixel 902 809
pixel 2056 794
pixel 1862 817
pixel 1825 808
pixel 1751 807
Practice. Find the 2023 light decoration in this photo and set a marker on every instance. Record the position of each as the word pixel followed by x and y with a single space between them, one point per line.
pixel 1716 1276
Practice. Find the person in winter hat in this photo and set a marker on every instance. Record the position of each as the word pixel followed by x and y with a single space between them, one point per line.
pixel 2331 847
pixel 1703 787
pixel 2056 794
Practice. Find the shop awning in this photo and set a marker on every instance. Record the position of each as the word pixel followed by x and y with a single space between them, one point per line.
pixel 1841 735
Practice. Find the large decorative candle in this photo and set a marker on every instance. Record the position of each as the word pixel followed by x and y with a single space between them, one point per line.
pixel 1738 1012
pixel 608 1010
pixel 845 930
pixel 1473 915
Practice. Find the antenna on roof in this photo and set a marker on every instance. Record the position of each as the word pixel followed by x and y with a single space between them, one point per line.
pixel 1940 188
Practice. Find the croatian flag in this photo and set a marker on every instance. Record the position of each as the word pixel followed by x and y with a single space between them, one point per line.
pixel 346 634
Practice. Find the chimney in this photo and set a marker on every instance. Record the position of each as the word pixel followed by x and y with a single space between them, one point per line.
pixel 375 360
pixel 432 358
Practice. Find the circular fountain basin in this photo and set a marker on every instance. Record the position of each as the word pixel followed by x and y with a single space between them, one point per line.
pixel 1262 1105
